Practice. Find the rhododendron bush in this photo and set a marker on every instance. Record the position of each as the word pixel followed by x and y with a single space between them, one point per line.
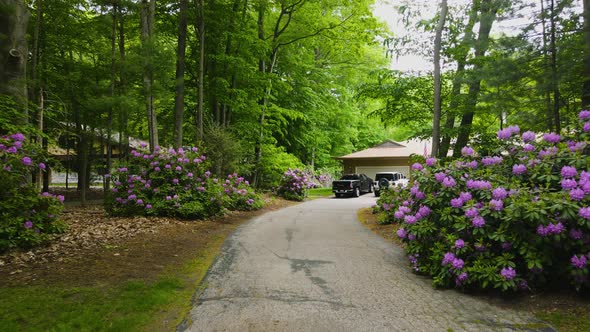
pixel 516 218
pixel 176 183
pixel 295 184
pixel 27 217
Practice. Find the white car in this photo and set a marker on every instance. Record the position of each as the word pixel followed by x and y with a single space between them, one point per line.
pixel 387 180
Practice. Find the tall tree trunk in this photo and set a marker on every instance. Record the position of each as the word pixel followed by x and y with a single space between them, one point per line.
pixel 261 103
pixel 109 163
pixel 437 80
pixel 201 75
pixel 14 18
pixel 458 80
pixel 554 78
pixel 180 64
pixel 547 64
pixel 124 113
pixel 586 79
pixel 489 8
pixel 147 34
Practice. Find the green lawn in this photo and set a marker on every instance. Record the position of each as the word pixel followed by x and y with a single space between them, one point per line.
pixel 130 306
pixel 319 192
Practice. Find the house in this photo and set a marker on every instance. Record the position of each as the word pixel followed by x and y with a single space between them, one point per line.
pixel 388 156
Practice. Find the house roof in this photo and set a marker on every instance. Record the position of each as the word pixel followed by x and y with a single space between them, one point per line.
pixel 391 149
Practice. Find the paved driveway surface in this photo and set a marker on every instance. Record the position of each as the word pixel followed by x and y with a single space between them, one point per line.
pixel 313 267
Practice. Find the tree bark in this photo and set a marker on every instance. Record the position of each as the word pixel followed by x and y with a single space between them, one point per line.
pixel 109 163
pixel 124 113
pixel 14 18
pixel 554 78
pixel 180 64
pixel 458 80
pixel 489 8
pixel 437 80
pixel 147 34
pixel 201 33
pixel 586 79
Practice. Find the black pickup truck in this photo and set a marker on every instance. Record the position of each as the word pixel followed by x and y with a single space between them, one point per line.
pixel 353 185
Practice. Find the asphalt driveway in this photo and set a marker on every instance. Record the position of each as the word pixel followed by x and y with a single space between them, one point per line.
pixel 313 267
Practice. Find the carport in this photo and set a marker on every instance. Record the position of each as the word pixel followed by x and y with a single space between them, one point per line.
pixel 388 156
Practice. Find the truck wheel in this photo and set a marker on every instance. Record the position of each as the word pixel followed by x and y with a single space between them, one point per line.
pixel 357 192
pixel 338 195
pixel 377 194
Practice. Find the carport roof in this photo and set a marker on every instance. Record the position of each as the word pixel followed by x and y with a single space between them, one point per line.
pixel 390 149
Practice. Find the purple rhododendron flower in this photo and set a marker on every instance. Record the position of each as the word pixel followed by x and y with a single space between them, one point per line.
pixel 576 234
pixel 42 166
pixel 61 198
pixel 472 164
pixel 411 237
pixel 577 194
pixel 461 278
pixel 576 146
pixel 528 136
pixel 579 262
pixel 506 245
pixel 28 224
pixel 398 214
pixel 478 222
pixel 448 258
pixel 496 205
pixel 457 202
pixel 472 212
pixel 465 196
pixel 18 137
pixel 508 273
pixel 440 176
pixel 26 161
pixel 499 193
pixel 404 209
pixel 584 115
pixel 542 231
pixel 417 166
pixel 528 148
pixel 430 161
pixel 518 169
pixel 467 151
pixel 568 184
pixel 402 233
pixel 551 138
pixel 410 220
pixel 449 182
pixel 459 243
pixel 568 172
pixel 504 134
pixel 178 168
pixel 488 161
pixel 586 127
pixel 140 201
pixel 458 263
pixel 584 212
pixel 424 211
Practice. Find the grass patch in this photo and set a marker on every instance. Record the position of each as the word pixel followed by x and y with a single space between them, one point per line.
pixel 131 306
pixel 567 320
pixel 371 220
pixel 319 192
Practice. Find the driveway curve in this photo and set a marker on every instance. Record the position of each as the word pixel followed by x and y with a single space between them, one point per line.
pixel 313 267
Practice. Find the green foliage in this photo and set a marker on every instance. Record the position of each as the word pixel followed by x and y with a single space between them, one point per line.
pixel 175 183
pixel 513 216
pixel 273 164
pixel 27 218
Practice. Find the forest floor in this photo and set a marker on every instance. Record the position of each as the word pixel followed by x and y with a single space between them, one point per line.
pixel 113 272
pixel 564 309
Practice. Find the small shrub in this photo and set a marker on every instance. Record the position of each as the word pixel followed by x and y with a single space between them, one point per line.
pixel 515 217
pixel 294 185
pixel 27 218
